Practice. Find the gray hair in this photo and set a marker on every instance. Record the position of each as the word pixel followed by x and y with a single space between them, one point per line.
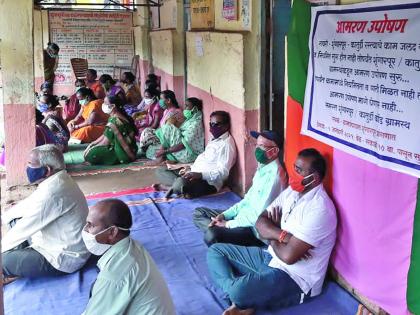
pixel 50 155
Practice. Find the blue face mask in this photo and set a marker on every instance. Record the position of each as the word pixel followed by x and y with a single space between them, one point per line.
pixel 36 173
pixel 42 107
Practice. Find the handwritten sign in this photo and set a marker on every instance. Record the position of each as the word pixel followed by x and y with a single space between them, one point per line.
pixel 363 86
pixel 105 39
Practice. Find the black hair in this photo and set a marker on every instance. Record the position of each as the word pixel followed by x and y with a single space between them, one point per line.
pixel 224 115
pixel 93 72
pixel 196 102
pixel 152 92
pixel 38 116
pixel 129 76
pixel 151 85
pixel 152 77
pixel 84 91
pixel 80 81
pixel 168 94
pixel 120 108
pixel 51 100
pixel 118 214
pixel 105 78
pixel 318 163
pixel 46 85
pixel 53 46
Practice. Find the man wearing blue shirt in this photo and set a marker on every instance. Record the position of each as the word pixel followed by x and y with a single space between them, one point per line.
pixel 236 224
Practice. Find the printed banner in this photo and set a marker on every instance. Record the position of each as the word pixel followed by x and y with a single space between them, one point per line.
pixel 105 39
pixel 363 87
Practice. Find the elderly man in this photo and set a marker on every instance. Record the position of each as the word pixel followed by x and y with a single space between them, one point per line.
pixel 236 224
pixel 300 226
pixel 45 239
pixel 129 281
pixel 211 168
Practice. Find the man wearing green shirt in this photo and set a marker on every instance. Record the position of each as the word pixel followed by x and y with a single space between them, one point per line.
pixel 236 224
pixel 129 281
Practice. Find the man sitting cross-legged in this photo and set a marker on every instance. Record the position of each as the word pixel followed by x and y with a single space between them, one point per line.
pixel 236 224
pixel 300 226
pixel 211 168
pixel 45 238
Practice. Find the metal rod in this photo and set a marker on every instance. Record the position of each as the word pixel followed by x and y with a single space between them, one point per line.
pixel 152 4
pixel 119 4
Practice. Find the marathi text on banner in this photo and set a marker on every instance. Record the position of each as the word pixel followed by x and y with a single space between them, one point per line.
pixel 105 39
pixel 363 86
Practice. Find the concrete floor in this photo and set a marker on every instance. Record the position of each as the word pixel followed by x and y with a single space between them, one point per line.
pixel 92 184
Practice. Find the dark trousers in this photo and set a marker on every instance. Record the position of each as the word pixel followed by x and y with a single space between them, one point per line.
pixel 24 261
pixel 240 236
pixel 179 185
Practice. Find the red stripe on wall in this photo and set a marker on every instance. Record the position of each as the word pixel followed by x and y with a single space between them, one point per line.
pixel 296 142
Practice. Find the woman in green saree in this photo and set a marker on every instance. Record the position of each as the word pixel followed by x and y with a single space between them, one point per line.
pixel 184 143
pixel 118 143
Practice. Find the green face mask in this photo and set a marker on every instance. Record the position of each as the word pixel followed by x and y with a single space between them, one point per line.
pixel 261 156
pixel 188 113
pixel 162 104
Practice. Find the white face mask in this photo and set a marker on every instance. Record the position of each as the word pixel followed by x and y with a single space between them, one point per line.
pixel 93 245
pixel 107 109
pixel 148 101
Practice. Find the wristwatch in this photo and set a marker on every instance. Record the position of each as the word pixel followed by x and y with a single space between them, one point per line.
pixel 282 236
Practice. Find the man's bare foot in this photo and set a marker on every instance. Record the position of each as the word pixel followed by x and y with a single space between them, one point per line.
pixel 234 310
pixel 160 187
pixel 7 280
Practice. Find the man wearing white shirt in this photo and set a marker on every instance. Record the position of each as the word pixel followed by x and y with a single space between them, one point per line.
pixel 300 226
pixel 211 168
pixel 46 238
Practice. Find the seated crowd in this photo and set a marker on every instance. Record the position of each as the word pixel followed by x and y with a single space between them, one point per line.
pixel 271 249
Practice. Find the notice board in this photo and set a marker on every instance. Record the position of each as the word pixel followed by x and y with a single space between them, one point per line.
pixel 362 92
pixel 105 39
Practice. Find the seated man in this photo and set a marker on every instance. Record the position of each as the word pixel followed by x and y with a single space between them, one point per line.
pixel 46 239
pixel 211 168
pixel 129 281
pixel 300 226
pixel 236 224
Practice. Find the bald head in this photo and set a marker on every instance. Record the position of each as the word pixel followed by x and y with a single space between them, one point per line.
pixel 109 212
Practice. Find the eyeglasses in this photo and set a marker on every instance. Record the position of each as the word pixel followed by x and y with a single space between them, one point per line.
pixel 218 124
pixel 286 216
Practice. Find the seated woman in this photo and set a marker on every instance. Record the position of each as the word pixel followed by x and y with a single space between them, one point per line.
pixel 89 124
pixel 132 92
pixel 72 106
pixel 149 113
pixel 47 106
pixel 94 84
pixel 111 87
pixel 118 143
pixel 183 144
pixel 172 113
pixel 42 133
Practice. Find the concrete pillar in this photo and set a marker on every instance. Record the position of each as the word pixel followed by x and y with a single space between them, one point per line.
pixel 17 67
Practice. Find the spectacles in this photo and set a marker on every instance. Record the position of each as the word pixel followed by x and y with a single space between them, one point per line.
pixel 218 124
pixel 286 216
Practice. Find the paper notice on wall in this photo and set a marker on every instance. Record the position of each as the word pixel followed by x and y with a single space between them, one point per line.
pixel 230 10
pixel 199 48
pixel 105 39
pixel 363 85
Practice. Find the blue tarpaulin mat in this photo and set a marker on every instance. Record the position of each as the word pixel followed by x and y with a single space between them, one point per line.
pixel 166 230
